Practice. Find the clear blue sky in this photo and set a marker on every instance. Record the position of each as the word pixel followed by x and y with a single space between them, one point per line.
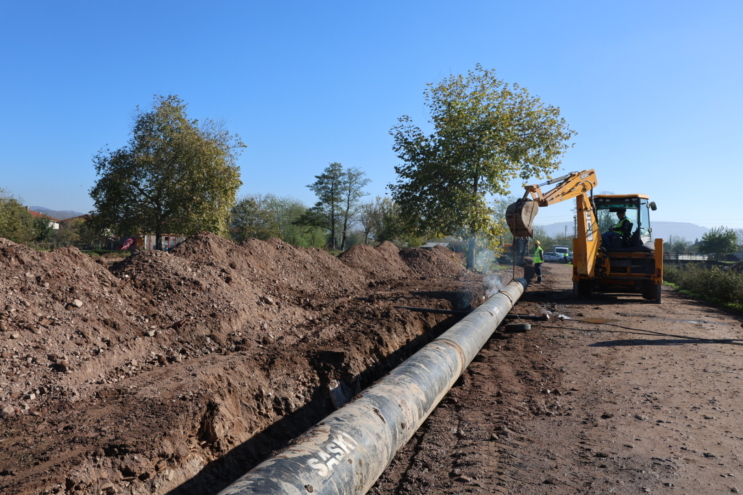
pixel 654 88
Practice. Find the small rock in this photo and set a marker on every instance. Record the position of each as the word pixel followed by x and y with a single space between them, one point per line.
pixel 77 303
pixel 734 490
pixel 464 478
pixel 7 412
pixel 15 335
pixel 607 415
pixel 493 436
pixel 62 366
pixel 134 362
pixel 3 326
pixel 641 417
pixel 709 455
pixel 151 333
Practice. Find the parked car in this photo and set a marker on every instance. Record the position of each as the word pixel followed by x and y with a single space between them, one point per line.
pixel 553 257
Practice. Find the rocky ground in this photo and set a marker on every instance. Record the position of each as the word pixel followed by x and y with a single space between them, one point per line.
pixel 177 372
pixel 626 396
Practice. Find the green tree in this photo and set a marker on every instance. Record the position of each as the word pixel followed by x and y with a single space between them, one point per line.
pixel 174 176
pixel 250 219
pixel 354 181
pixel 69 233
pixel 16 223
pixel 719 241
pixel 329 190
pixel 485 133
pixel 264 216
pixel 43 229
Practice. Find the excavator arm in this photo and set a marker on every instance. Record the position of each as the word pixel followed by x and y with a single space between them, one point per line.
pixel 520 215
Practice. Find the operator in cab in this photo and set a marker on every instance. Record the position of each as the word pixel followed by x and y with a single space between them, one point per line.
pixel 621 230
pixel 538 260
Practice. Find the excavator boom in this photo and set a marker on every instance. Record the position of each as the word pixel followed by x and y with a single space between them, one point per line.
pixel 520 215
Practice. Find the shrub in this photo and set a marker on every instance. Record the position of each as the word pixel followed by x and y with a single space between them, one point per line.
pixel 714 284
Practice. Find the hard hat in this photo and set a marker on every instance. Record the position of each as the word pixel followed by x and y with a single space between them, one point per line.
pixel 538 243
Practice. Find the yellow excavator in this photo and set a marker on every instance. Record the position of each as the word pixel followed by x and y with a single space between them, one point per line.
pixel 627 262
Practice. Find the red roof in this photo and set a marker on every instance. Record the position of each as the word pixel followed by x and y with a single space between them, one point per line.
pixel 36 214
pixel 84 218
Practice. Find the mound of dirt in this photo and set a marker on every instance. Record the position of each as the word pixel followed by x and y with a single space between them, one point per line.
pixel 214 353
pixel 380 264
pixel 434 262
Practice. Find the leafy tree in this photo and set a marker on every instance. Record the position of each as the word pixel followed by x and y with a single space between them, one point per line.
pixel 677 245
pixel 70 232
pixel 353 182
pixel 174 176
pixel 16 223
pixel 719 241
pixel 264 216
pixel 251 220
pixel 338 192
pixel 329 190
pixel 43 229
pixel 485 133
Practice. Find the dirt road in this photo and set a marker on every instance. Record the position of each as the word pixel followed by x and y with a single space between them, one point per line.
pixel 626 396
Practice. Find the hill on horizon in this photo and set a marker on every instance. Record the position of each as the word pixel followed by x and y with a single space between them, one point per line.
pixel 59 215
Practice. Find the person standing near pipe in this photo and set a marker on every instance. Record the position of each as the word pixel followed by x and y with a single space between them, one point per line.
pixel 538 260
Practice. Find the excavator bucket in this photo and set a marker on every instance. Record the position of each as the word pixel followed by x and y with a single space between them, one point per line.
pixel 520 216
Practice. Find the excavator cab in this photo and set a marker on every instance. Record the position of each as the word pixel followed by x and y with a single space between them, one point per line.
pixel 637 210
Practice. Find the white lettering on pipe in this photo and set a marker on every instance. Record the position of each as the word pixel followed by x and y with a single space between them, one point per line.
pixel 331 453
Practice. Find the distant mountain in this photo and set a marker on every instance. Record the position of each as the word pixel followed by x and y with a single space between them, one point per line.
pixel 661 230
pixel 59 215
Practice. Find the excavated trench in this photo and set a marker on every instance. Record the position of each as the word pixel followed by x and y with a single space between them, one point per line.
pixel 178 372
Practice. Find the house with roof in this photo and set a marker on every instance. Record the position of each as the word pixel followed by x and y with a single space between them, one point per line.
pixel 54 222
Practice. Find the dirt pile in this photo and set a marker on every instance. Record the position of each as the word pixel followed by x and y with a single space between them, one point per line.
pixel 379 263
pixel 434 262
pixel 133 380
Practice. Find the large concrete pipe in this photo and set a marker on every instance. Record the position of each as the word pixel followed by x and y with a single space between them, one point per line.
pixel 349 450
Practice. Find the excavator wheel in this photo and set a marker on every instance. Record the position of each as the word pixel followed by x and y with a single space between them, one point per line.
pixel 652 292
pixel 659 293
pixel 520 216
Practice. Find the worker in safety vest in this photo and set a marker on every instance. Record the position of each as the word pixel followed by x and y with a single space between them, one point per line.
pixel 538 260
pixel 622 229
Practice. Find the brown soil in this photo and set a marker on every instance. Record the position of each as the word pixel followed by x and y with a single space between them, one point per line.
pixel 177 372
pixel 627 396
